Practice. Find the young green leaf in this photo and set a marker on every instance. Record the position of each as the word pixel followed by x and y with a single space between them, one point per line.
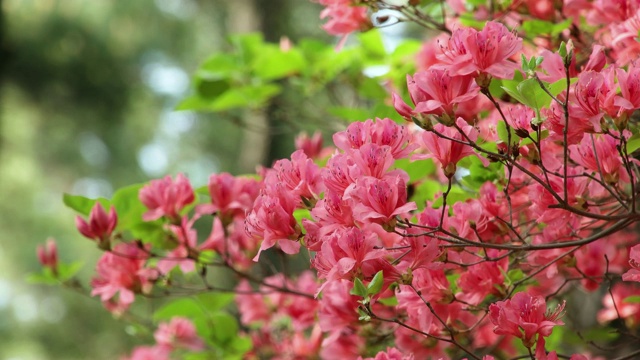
pixel 358 288
pixel 375 285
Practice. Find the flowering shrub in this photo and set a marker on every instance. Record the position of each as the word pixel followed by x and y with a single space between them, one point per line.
pixel 461 224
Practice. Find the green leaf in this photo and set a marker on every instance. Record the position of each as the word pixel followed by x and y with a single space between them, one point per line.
pixel 67 271
pixel 515 275
pixel 224 327
pixel 480 174
pixel 426 191
pixel 186 307
pixel 417 170
pixel 247 46
pixel 211 89
pixel 300 214
pixel 372 44
pixel 152 233
pixel 358 288
pixel 456 194
pixel 633 143
pixel 495 88
pixel 332 63
pixel 533 95
pixel 533 136
pixel 511 86
pixel 244 96
pixel 128 206
pixel 453 282
pixel 207 256
pixel 240 344
pixel 219 66
pixel 390 301
pixel 633 299
pixel 562 50
pixel 45 277
pixel 375 285
pixel 536 27
pixel 273 63
pixel 350 114
pixel 370 88
pixel 557 87
pixel 215 301
pixel 81 204
pixel 503 133
pixel 193 102
pixel 363 315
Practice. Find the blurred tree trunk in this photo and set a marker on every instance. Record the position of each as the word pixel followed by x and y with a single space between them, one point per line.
pixel 244 17
pixel 271 17
pixel 3 60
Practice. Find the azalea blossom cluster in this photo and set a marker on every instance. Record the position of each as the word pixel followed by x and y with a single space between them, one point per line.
pixel 459 233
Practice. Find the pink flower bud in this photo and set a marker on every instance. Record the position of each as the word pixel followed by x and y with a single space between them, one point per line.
pixel 48 255
pixel 100 225
pixel 312 146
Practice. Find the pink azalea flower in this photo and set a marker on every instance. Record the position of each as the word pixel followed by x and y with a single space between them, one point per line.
pixel 300 176
pixel 379 132
pixel 578 125
pixel 634 261
pixel 445 151
pixel 251 305
pixel 311 146
pixel 340 172
pixel 337 306
pixel 230 196
pixel 623 38
pixel 481 52
pixel 178 333
pixel 234 245
pixel 166 197
pixel 184 253
pixel 379 200
pixel 519 118
pixel 344 18
pixel 594 95
pixel 100 225
pixel 524 316
pixel 598 153
pixel 390 354
pixel 345 255
pixel 373 160
pixel 272 221
pixel 483 279
pixel 333 210
pixel 436 92
pixel 48 255
pixel 593 261
pixel 122 272
pixel 629 82
pixel 616 307
pixel 307 347
pixel 541 9
pixel 149 353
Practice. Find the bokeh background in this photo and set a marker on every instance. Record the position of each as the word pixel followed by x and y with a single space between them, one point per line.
pixel 87 92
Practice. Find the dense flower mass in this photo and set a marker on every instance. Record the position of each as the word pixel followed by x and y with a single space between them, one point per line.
pixel 525 316
pixel 511 183
pixel 120 275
